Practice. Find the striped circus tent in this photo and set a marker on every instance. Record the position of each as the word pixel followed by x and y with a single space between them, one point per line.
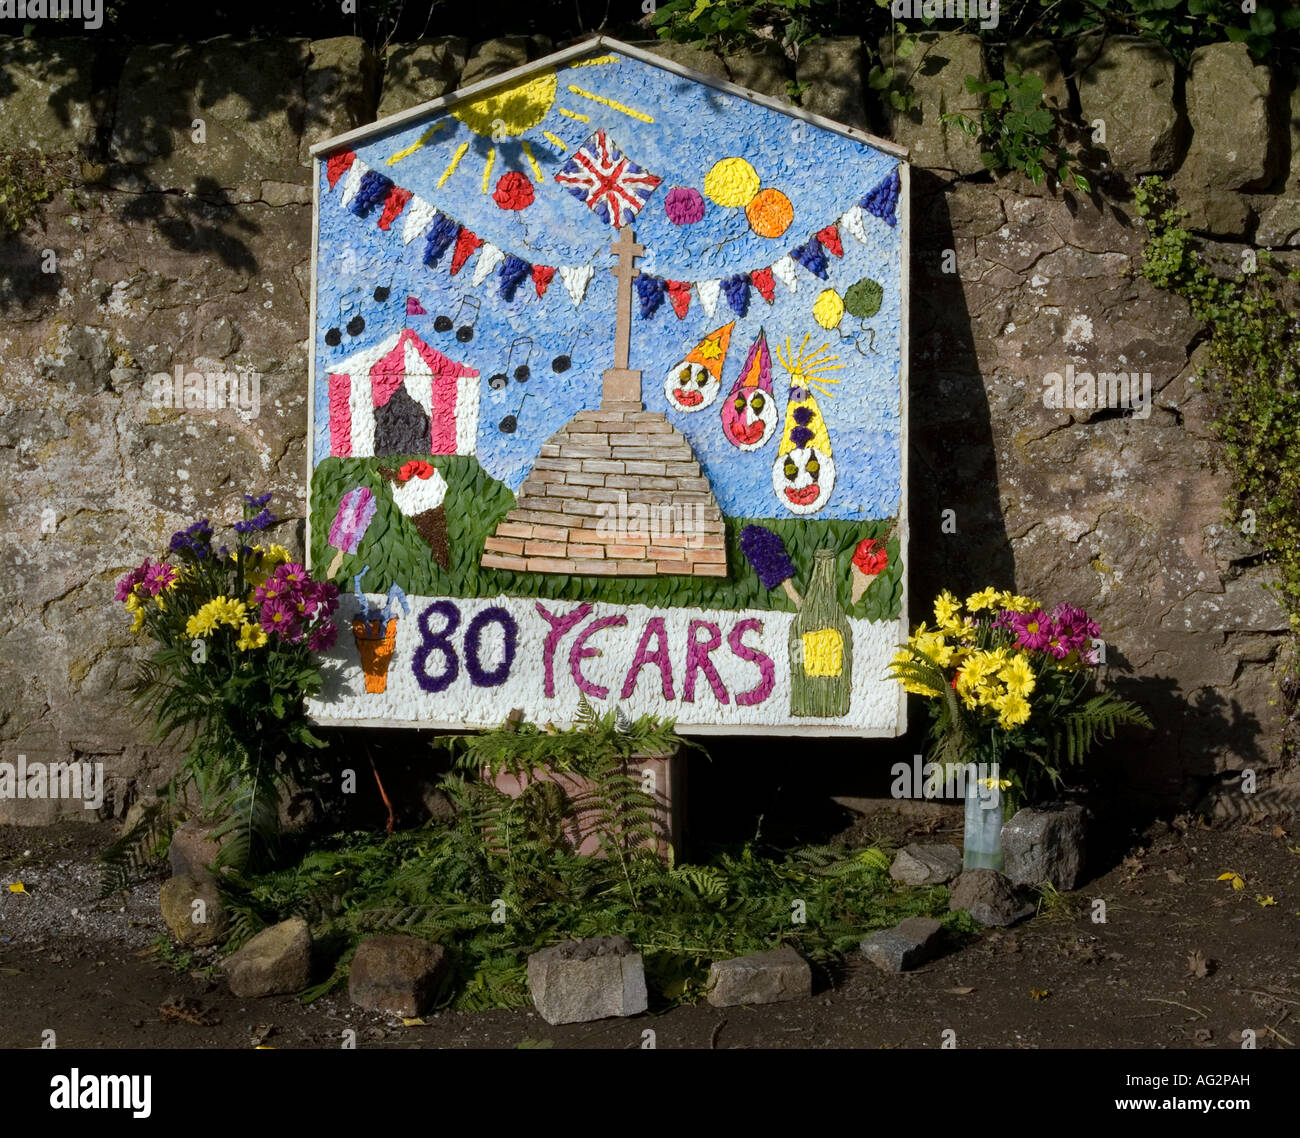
pixel 402 396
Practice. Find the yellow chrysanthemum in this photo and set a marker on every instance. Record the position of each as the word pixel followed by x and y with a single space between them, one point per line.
pixel 946 608
pixel 1017 603
pixel 933 645
pixel 277 555
pixel 984 599
pixel 1014 710
pixel 137 621
pixel 132 603
pixel 1018 675
pixel 250 636
pixel 231 612
pixel 205 621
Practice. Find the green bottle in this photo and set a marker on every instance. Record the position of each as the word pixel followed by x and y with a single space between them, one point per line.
pixel 821 647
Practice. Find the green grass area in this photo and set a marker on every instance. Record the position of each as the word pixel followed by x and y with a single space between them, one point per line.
pixel 476 502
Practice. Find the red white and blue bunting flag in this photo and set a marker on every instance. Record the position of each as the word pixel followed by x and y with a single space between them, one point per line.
pixel 366 192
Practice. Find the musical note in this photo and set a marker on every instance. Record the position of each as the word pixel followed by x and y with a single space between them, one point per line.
pixel 564 360
pixel 521 371
pixel 355 326
pixel 465 333
pixel 510 423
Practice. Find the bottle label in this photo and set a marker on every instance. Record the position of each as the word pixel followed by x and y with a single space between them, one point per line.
pixel 823 652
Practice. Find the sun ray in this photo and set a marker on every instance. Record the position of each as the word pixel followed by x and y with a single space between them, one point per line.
pixel 598 60
pixel 573 114
pixel 455 161
pixel 808 369
pixel 487 167
pixel 428 134
pixel 556 142
pixel 537 170
pixel 623 108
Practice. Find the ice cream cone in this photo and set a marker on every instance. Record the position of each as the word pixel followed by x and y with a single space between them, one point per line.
pixel 375 647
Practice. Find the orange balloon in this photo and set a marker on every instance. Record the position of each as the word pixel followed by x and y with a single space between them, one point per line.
pixel 769 213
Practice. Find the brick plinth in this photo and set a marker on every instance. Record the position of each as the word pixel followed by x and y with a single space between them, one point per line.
pixel 615 493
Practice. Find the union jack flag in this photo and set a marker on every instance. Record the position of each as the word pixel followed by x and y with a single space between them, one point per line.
pixel 611 184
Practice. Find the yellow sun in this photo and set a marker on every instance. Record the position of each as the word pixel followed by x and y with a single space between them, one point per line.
pixel 508 113
pixel 511 112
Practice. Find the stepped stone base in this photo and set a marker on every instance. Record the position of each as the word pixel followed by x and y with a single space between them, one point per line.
pixel 616 492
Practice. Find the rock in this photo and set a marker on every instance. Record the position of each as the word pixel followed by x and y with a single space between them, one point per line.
pixel 938 85
pixel 1279 223
pixel 47 94
pixel 762 69
pixel 1220 213
pixel 414 73
pixel 341 88
pixel 193 849
pixel 438 803
pixel 759 978
pixel 1045 845
pixel 492 57
pixel 1229 103
pixel 908 944
pixel 583 980
pixel 989 898
pixel 831 73
pixel 249 97
pixel 1038 57
pixel 1130 87
pixel 399 975
pixel 926 865
pixel 192 908
pixel 276 962
pixel 687 55
pixel 1248 603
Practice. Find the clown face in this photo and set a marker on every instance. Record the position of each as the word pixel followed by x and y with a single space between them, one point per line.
pixel 691 387
pixel 749 418
pixel 803 479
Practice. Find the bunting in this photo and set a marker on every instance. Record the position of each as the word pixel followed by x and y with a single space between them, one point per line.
pixel 364 189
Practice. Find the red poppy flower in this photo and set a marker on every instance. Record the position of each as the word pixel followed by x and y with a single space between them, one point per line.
pixel 415 469
pixel 868 558
pixel 514 191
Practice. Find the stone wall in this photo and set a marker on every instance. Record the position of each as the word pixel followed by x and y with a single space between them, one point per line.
pixel 187 244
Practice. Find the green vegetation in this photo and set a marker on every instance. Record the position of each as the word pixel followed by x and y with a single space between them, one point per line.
pixel 1253 385
pixel 1017 131
pixel 476 502
pixel 501 880
pixel 1271 31
pixel 27 181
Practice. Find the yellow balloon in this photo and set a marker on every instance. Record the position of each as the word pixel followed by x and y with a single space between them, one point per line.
pixel 828 309
pixel 732 183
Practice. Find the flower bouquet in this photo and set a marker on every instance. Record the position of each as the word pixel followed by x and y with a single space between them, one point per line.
pixel 234 634
pixel 1012 690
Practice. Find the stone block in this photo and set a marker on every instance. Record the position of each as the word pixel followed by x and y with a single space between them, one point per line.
pixel 907 945
pixel 415 73
pixel 1230 105
pixel 759 978
pixel 1045 845
pixel 1130 87
pixel 399 975
pixel 276 962
pixel 938 86
pixel 583 980
pixel 926 864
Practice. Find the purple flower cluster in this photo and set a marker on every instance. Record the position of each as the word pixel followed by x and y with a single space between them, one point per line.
pixel 296 608
pixel 196 540
pixel 1068 629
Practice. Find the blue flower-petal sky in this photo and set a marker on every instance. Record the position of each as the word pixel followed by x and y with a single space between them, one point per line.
pixel 821 172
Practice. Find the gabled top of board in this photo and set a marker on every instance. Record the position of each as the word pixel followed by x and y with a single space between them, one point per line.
pixel 581 51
